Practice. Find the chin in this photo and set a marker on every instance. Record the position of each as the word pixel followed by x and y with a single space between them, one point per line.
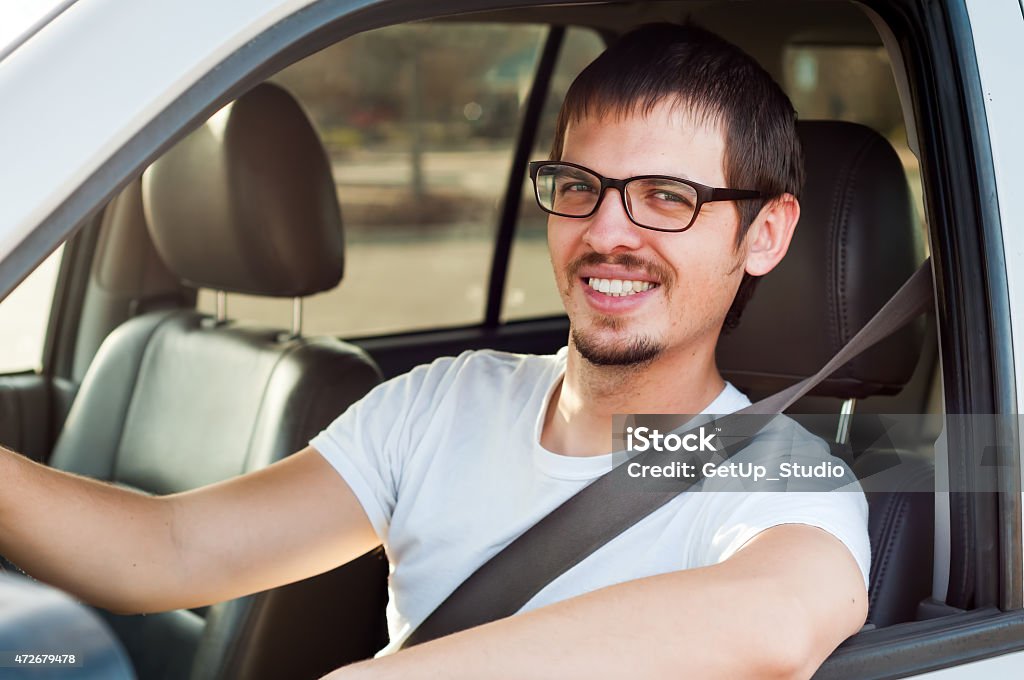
pixel 626 352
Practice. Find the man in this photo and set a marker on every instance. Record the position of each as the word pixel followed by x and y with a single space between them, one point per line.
pixel 449 463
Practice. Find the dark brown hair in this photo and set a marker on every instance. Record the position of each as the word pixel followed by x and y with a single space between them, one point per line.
pixel 717 83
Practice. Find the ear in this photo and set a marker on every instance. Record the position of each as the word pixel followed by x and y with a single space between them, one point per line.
pixel 770 233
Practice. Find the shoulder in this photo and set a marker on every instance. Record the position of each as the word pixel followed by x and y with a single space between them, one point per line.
pixel 484 370
pixel 510 361
pixel 490 363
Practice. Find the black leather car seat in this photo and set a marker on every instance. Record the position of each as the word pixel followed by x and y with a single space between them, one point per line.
pixel 176 399
pixel 854 246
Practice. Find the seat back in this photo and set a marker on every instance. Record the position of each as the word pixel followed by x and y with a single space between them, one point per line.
pixel 855 244
pixel 176 399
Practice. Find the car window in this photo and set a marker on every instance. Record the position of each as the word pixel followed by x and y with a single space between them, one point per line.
pixel 854 84
pixel 420 123
pixel 24 315
pixel 530 290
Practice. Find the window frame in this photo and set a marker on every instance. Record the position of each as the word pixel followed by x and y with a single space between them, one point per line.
pixel 526 137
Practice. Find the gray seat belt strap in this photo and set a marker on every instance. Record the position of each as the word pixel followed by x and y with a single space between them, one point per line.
pixel 597 513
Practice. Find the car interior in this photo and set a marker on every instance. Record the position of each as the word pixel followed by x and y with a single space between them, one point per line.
pixel 207 321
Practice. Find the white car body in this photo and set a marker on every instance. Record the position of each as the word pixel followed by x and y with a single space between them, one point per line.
pixel 100 47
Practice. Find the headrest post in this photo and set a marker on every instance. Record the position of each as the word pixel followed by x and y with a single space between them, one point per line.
pixel 296 317
pixel 845 419
pixel 222 306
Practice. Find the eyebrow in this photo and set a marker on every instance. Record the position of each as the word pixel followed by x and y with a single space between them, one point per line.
pixel 678 175
pixel 662 174
pixel 576 173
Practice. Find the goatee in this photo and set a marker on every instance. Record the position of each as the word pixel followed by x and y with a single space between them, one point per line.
pixel 637 351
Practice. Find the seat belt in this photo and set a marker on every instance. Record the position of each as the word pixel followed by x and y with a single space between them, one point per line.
pixel 596 514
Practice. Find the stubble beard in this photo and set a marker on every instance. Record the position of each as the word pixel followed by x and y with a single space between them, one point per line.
pixel 635 352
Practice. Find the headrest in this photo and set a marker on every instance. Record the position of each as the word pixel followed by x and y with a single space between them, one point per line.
pixel 247 203
pixel 853 248
pixel 127 263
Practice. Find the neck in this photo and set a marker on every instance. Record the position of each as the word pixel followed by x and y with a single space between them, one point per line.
pixel 579 418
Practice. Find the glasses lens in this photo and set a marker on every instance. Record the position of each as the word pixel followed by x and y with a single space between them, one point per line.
pixel 566 190
pixel 661 203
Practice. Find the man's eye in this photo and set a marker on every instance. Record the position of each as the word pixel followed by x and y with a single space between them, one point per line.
pixel 571 187
pixel 670 197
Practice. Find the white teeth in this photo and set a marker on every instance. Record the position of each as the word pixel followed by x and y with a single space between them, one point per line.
pixel 619 287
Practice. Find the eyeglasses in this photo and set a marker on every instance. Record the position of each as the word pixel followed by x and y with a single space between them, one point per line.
pixel 656 202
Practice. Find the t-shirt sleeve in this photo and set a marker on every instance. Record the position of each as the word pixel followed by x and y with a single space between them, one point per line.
pixel 832 502
pixel 370 442
pixel 742 516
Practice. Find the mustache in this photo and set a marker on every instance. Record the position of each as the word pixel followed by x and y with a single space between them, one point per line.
pixel 631 263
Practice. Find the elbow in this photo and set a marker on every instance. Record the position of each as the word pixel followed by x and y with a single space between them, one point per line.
pixel 792 659
pixel 779 651
pixel 797 649
pixel 786 654
pixel 801 638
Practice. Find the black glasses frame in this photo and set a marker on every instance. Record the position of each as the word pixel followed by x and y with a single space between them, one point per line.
pixel 705 194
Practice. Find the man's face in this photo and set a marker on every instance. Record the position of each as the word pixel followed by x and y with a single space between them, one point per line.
pixel 693 275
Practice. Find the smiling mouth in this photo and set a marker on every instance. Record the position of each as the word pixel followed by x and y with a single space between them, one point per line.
pixel 619 287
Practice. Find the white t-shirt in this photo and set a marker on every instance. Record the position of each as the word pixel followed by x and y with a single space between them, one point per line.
pixel 447 463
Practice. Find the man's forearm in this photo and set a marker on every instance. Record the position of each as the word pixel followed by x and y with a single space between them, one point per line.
pixel 106 545
pixel 657 627
pixel 736 619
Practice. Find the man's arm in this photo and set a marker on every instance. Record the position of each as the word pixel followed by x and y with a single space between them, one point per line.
pixel 130 552
pixel 777 608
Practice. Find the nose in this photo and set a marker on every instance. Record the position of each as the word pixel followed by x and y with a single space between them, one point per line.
pixel 609 229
